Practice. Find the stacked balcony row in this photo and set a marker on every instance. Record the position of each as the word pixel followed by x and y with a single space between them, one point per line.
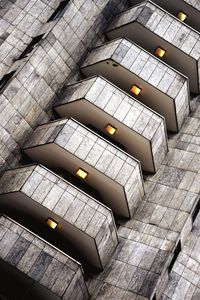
pixel 179 42
pixel 39 195
pixel 186 11
pixel 114 127
pixel 140 74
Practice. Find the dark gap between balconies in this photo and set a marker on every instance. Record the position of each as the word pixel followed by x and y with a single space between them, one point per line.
pixel 31 46
pixel 59 10
pixel 154 297
pixel 196 211
pixel 174 258
pixel 5 80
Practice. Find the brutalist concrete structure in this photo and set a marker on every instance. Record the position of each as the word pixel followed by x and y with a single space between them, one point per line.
pixel 37 193
pixel 43 266
pixel 126 64
pixel 97 102
pixel 190 7
pixel 99 176
pixel 160 29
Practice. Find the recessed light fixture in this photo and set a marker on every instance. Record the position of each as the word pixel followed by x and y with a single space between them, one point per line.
pixel 181 16
pixel 51 223
pixel 81 173
pixel 160 52
pixel 110 129
pixel 135 90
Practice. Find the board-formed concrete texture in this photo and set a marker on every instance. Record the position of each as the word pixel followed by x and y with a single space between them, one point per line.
pixel 98 103
pixel 150 241
pixel 194 3
pixel 189 7
pixel 185 275
pixel 71 146
pixel 154 237
pixel 161 30
pixel 48 272
pixel 28 20
pixel 188 138
pixel 55 59
pixel 126 64
pixel 82 220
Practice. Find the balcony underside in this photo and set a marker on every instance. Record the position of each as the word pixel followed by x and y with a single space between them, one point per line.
pixel 174 57
pixel 174 7
pixel 53 156
pixel 88 114
pixel 124 79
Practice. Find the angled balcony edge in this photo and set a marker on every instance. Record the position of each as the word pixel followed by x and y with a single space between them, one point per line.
pixel 127 65
pixel 139 130
pixel 35 192
pixel 46 270
pixel 161 30
pixel 70 146
pixel 189 7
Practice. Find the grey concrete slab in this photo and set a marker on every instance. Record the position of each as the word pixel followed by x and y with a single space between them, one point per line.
pixel 43 266
pixel 161 88
pixel 161 30
pixel 71 146
pixel 98 103
pixel 36 191
pixel 190 7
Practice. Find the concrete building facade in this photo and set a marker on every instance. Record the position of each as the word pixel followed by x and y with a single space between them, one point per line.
pixel 99 149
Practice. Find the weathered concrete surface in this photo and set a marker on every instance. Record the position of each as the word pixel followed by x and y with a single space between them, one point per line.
pixel 139 265
pixel 185 276
pixel 140 130
pixel 138 268
pixel 124 63
pixel 44 264
pixel 69 145
pixel 161 29
pixel 85 222
pixel 26 101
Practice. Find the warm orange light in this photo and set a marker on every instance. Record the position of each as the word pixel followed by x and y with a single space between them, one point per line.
pixel 110 129
pixel 81 173
pixel 181 16
pixel 51 223
pixel 160 52
pixel 136 90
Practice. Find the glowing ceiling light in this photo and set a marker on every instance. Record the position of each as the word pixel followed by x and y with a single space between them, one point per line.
pixel 160 52
pixel 110 129
pixel 136 90
pixel 181 16
pixel 51 223
pixel 81 173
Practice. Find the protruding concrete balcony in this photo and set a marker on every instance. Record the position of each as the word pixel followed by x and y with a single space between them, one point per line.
pixel 191 8
pixel 31 268
pixel 36 193
pixel 99 103
pixel 139 73
pixel 178 42
pixel 88 157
